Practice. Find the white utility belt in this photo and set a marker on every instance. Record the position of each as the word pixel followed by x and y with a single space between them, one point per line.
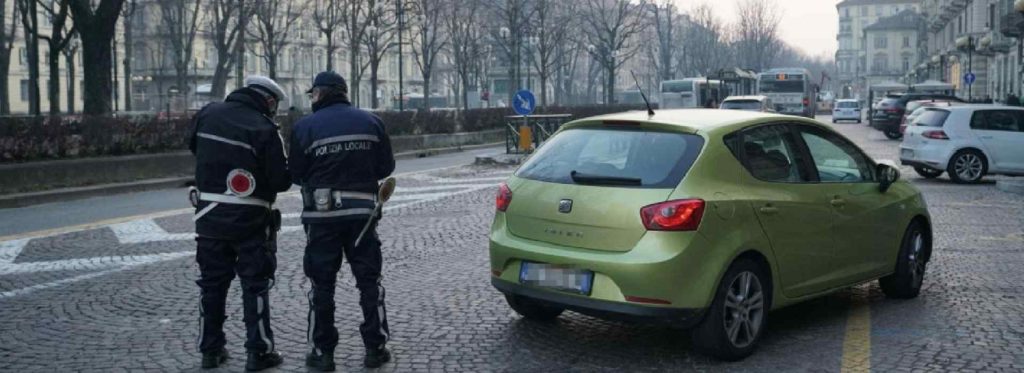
pixel 233 200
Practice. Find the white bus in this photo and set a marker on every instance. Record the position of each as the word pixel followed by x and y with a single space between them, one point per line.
pixel 791 89
pixel 690 93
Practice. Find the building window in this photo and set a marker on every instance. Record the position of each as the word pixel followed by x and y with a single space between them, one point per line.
pixel 881 42
pixel 880 63
pixel 906 42
pixel 24 90
pixel 878 10
pixel 864 11
pixel 23 56
pixel 906 63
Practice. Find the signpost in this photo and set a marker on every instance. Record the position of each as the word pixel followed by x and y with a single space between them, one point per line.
pixel 523 104
pixel 969 78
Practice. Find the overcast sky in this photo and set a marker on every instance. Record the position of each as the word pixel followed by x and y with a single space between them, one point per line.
pixel 810 25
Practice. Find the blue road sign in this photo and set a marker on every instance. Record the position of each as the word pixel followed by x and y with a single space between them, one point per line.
pixel 969 78
pixel 524 102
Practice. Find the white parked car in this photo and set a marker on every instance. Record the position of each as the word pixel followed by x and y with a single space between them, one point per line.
pixel 968 142
pixel 846 109
pixel 748 103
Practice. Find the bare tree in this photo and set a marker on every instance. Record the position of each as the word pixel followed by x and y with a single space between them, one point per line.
pixel 69 62
pixel 611 24
pixel 274 21
pixel 757 36
pixel 377 41
pixel 7 36
pixel 128 14
pixel 466 32
pixel 431 39
pixel 355 20
pixel 550 28
pixel 96 21
pixel 665 19
pixel 327 15
pixel 225 27
pixel 61 34
pixel 180 23
pixel 30 23
pixel 510 19
pixel 706 41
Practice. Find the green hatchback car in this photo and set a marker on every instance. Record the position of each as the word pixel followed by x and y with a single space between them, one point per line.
pixel 705 219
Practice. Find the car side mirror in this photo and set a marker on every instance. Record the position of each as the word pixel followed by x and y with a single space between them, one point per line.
pixel 887 176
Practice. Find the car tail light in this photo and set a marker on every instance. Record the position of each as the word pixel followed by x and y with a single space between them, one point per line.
pixel 679 215
pixel 935 134
pixel 504 197
pixel 892 110
pixel 807 101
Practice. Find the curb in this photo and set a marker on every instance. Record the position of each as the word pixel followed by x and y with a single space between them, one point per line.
pixel 66 194
pixel 423 153
pixel 1011 186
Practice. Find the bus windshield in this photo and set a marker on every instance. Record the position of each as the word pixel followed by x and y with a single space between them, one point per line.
pixel 686 86
pixel 783 86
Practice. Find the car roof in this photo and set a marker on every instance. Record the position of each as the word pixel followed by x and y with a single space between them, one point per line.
pixel 695 120
pixel 752 97
pixel 974 107
pixel 847 100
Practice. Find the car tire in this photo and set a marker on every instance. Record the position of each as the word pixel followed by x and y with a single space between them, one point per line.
pixel 928 173
pixel 893 135
pixel 532 309
pixel 731 333
pixel 859 121
pixel 911 264
pixel 967 166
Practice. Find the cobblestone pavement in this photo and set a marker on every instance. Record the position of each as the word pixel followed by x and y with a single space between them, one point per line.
pixel 121 297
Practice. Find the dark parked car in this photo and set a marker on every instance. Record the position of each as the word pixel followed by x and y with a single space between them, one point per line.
pixel 888 114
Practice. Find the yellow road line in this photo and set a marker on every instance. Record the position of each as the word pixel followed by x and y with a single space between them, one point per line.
pixel 857 340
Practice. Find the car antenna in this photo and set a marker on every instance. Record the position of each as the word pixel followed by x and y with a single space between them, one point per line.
pixel 650 111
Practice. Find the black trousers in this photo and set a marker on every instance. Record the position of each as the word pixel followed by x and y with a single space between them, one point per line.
pixel 254 260
pixel 327 244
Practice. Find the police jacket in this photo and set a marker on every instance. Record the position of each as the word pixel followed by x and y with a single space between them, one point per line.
pixel 338 155
pixel 237 139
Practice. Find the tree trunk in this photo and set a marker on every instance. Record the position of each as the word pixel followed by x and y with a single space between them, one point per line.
pixel 53 86
pixel 330 53
pixel 31 24
pixel 353 83
pixel 272 66
pixel 373 84
pixel 69 60
pixel 5 100
pixel 96 49
pixel 426 92
pixel 128 40
pixel 543 90
pixel 218 86
pixel 465 91
pixel 610 88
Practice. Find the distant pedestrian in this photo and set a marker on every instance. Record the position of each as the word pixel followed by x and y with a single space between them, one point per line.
pixel 240 168
pixel 1012 100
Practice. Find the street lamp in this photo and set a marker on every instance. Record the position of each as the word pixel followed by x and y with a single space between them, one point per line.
pixel 400 14
pixel 1018 6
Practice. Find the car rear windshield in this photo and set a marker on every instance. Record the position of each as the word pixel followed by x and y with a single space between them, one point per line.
pixel 847 104
pixel 654 159
pixel 742 105
pixel 932 118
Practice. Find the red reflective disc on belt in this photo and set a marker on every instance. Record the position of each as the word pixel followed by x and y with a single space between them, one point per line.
pixel 241 183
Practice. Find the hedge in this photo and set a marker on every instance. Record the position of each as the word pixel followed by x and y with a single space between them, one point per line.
pixel 38 138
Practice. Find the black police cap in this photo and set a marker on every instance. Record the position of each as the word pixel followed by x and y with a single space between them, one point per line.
pixel 329 79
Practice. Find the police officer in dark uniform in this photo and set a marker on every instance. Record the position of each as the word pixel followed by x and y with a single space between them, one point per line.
pixel 240 168
pixel 338 155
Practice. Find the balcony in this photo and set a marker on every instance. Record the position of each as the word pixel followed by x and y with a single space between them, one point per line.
pixel 1010 24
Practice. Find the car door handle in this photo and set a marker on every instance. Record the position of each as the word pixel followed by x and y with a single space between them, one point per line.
pixel 838 202
pixel 769 210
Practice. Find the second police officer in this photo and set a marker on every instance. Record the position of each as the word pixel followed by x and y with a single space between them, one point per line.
pixel 240 168
pixel 338 155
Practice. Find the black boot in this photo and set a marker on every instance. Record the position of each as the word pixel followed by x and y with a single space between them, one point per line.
pixel 262 360
pixel 376 357
pixel 214 359
pixel 323 362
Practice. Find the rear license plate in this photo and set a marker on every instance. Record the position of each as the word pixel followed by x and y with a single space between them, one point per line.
pixel 556 277
pixel 906 153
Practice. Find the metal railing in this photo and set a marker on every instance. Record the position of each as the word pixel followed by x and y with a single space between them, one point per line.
pixel 541 128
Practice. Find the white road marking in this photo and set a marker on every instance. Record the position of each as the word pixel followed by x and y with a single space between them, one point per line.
pixel 144 229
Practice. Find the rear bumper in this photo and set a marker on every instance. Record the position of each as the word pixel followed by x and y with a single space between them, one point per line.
pixel 925 156
pixel 885 124
pixel 685 317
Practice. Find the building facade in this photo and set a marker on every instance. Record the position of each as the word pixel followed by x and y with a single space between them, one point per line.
pixel 852 56
pixel 893 47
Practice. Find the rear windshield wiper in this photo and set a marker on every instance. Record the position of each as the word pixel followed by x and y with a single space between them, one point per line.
pixel 581 178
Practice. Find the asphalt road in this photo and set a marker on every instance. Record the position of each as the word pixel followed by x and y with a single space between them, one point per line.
pixel 120 296
pixel 95 209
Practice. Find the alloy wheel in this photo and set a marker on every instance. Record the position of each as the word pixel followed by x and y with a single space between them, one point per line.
pixel 744 309
pixel 915 263
pixel 968 166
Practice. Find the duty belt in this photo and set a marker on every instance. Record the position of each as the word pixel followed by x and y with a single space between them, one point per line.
pixel 195 196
